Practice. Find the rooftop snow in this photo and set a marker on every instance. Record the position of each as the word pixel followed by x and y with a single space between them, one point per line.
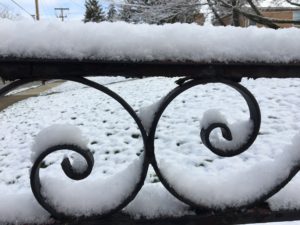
pixel 142 42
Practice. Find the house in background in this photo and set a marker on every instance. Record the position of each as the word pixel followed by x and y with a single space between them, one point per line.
pixel 285 13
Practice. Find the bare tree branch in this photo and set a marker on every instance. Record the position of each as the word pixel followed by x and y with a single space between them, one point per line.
pixel 163 11
pixel 225 4
pixel 253 6
pixel 256 10
pixel 293 3
pixel 216 14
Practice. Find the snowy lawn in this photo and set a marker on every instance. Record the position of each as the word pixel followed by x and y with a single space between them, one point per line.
pixel 116 142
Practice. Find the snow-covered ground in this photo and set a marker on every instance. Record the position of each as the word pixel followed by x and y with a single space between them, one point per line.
pixel 116 142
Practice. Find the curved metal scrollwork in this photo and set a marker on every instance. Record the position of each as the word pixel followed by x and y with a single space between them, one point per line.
pixel 149 143
pixel 255 118
pixel 67 167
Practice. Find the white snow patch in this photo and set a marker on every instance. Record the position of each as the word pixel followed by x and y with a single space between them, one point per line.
pixel 143 42
pixel 92 196
pixel 154 201
pixel 234 189
pixel 147 114
pixel 79 164
pixel 58 134
pixel 288 198
pixel 20 207
pixel 212 116
pixel 240 130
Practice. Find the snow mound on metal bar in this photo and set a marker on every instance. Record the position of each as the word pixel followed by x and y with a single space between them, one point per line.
pixel 142 42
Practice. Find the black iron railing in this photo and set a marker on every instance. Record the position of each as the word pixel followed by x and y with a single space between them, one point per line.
pixel 22 71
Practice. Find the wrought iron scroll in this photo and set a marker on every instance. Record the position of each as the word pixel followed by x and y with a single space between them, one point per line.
pixel 36 185
pixel 255 117
pixel 35 181
pixel 149 146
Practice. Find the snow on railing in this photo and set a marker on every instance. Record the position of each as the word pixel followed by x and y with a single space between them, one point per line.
pixel 141 42
pixel 83 198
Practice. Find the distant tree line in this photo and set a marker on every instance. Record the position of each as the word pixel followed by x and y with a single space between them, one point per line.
pixel 7 14
pixel 144 11
pixel 184 11
pixel 95 13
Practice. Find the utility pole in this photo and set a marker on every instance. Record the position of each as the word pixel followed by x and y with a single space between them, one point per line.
pixel 37 12
pixel 61 14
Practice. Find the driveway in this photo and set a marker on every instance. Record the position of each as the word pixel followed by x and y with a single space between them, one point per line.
pixel 6 101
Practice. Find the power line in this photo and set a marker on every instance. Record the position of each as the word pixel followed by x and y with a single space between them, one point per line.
pixel 62 16
pixel 17 4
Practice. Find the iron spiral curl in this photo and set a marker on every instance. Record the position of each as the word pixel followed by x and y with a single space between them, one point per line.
pixel 255 118
pixel 67 167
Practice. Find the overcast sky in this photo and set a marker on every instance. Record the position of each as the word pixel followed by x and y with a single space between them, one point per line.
pixel 46 7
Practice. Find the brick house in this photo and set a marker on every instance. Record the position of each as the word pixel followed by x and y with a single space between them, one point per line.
pixel 287 13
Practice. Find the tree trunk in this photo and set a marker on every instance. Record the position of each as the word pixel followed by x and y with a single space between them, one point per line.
pixel 235 14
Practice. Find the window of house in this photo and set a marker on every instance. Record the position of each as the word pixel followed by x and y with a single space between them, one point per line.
pixel 252 23
pixel 296 16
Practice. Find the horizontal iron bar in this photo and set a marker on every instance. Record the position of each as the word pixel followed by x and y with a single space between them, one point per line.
pixel 12 68
pixel 256 215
